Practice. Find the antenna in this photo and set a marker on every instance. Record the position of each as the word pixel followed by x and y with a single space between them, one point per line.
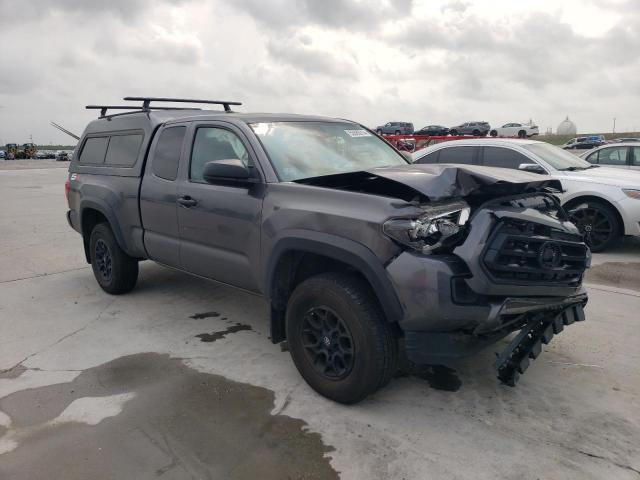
pixel 146 101
pixel 62 129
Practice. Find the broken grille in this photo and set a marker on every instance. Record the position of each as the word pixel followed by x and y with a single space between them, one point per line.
pixel 531 253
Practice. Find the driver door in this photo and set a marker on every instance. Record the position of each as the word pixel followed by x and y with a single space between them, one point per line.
pixel 219 224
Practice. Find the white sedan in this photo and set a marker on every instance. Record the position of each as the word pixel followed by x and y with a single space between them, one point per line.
pixel 519 130
pixel 603 202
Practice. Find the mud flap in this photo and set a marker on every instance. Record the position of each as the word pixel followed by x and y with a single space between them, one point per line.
pixel 527 345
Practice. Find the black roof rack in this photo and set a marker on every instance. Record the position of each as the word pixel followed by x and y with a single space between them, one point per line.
pixel 103 108
pixel 146 101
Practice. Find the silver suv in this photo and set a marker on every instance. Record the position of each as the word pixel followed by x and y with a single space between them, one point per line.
pixel 395 128
pixel 477 129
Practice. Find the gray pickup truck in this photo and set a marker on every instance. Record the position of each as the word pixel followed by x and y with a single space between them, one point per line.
pixel 364 258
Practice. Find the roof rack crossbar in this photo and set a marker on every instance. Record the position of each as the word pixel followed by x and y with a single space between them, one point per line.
pixel 146 101
pixel 103 108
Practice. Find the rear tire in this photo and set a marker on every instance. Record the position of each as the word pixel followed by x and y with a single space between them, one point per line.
pixel 339 339
pixel 476 133
pixel 522 134
pixel 115 271
pixel 453 133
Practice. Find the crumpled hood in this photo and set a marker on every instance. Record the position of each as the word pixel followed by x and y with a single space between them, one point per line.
pixel 440 182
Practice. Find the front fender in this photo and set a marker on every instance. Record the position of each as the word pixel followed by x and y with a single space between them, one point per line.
pixel 352 253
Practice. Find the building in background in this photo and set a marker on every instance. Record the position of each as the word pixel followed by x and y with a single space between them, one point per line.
pixel 567 127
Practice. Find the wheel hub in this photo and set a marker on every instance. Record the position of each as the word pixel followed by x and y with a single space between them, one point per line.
pixel 103 260
pixel 594 224
pixel 327 342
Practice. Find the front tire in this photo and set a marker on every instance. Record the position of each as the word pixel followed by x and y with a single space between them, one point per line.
pixel 598 223
pixel 115 271
pixel 493 133
pixel 339 339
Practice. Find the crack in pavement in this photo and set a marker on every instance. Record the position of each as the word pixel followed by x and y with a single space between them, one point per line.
pixel 613 462
pixel 43 274
pixel 60 340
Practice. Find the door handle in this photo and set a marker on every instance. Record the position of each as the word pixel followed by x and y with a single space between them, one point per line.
pixel 187 201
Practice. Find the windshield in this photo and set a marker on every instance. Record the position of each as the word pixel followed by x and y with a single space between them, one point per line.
pixel 300 150
pixel 557 157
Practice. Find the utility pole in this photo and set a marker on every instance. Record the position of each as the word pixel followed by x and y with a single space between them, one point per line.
pixel 614 125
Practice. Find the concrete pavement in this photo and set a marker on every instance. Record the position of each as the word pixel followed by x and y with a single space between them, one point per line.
pixel 179 380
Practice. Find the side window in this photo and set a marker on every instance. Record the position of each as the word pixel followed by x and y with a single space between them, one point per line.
pixel 593 158
pixel 636 156
pixel 123 150
pixel 462 155
pixel 503 158
pixel 430 158
pixel 94 150
pixel 211 144
pixel 167 153
pixel 613 156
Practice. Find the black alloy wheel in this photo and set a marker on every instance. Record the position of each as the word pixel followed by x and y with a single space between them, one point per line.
pixel 103 259
pixel 522 134
pixel 597 223
pixel 328 343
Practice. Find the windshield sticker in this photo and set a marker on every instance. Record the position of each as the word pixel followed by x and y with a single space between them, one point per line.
pixel 357 133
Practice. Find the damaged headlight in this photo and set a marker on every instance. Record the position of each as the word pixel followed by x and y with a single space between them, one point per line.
pixel 441 226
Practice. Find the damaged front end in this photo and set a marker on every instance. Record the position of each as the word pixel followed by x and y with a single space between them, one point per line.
pixel 487 252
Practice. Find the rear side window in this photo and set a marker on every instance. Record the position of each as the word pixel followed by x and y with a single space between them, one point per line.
pixel 167 154
pixel 462 155
pixel 94 150
pixel 123 150
pixel 503 158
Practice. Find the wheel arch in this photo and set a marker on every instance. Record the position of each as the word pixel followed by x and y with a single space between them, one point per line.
pixel 296 258
pixel 91 214
pixel 586 197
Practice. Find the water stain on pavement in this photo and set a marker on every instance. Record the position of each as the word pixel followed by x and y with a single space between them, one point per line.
pixel 180 424
pixel 200 316
pixel 438 376
pixel 617 274
pixel 213 336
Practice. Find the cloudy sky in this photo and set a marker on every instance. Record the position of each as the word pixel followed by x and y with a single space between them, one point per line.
pixel 372 61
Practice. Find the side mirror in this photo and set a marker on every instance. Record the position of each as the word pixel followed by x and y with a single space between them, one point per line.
pixel 407 156
pixel 228 170
pixel 532 167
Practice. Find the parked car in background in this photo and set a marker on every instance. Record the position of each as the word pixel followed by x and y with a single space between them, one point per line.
pixel 2 154
pixel 477 129
pixel 603 202
pixel 519 130
pixel 395 128
pixel 619 155
pixel 584 143
pixel 433 130
pixel 62 156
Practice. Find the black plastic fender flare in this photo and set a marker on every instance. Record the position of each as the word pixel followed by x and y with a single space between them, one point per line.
pixel 352 253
